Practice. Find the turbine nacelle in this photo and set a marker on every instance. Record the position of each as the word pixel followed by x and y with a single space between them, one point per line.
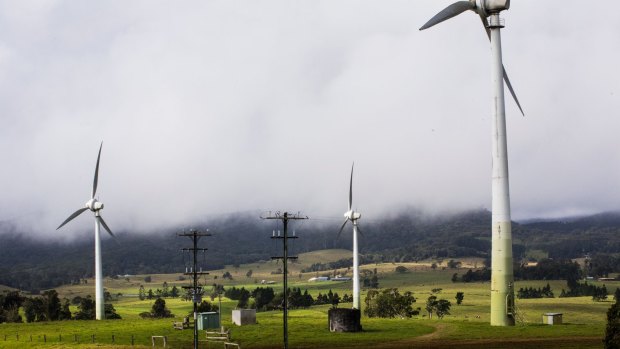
pixel 94 205
pixel 486 7
pixel 352 215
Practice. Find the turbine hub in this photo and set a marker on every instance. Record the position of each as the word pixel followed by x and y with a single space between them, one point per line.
pixel 94 205
pixel 352 215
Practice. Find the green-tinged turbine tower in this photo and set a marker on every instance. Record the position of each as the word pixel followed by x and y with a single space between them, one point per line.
pixel 502 278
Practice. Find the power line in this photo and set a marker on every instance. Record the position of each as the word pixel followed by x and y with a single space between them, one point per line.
pixel 196 288
pixel 284 217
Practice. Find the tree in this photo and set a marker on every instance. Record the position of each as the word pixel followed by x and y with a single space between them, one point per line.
pixel 34 309
pixel 442 308
pixel 459 298
pixel 431 303
pixel 9 306
pixel 389 303
pixel 86 309
pixel 600 294
pixel 159 309
pixel 612 331
pixel 110 312
pixel 262 297
pixel 205 306
pixel 401 269
pixel 141 293
pixel 52 305
pixel 65 312
pixel 150 294
pixel 165 290
pixel 452 264
pixel 243 299
pixel 174 292
pixel 374 281
pixel 248 274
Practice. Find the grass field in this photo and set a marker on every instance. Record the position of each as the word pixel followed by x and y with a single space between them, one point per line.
pixel 466 327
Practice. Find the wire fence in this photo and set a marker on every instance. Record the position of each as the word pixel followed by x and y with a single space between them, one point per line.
pixel 155 341
pixel 117 339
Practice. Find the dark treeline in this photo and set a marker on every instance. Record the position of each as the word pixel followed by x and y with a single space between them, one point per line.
pixel 549 269
pixel 48 307
pixel 244 238
pixel 530 292
pixel 576 289
pixel 546 269
pixel 265 298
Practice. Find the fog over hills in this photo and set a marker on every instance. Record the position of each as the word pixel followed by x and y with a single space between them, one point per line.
pixel 30 263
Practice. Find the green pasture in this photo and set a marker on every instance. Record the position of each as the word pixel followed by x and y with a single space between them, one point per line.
pixel 466 327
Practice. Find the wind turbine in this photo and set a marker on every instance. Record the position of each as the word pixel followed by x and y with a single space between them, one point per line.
pixel 94 205
pixel 502 278
pixel 353 216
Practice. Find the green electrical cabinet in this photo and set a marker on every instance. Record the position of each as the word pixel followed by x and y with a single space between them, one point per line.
pixel 208 320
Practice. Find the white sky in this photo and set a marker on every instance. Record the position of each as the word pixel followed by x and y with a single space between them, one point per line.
pixel 211 107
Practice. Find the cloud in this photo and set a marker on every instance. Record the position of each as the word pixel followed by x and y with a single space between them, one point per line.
pixel 213 107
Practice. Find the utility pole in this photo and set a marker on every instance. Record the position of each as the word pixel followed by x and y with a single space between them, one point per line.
pixel 285 217
pixel 194 273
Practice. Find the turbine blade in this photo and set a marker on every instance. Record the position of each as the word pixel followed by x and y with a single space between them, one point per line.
pixel 360 231
pixel 106 226
pixel 508 84
pixel 453 10
pixel 341 228
pixel 96 173
pixel 75 214
pixel 512 92
pixel 485 24
pixel 351 188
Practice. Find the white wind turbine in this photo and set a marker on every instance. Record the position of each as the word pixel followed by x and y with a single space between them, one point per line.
pixel 502 278
pixel 95 206
pixel 353 216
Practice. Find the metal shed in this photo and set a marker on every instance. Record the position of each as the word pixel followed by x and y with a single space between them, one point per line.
pixel 552 318
pixel 242 317
pixel 208 320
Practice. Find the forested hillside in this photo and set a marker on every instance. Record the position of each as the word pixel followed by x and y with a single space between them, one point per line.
pixel 31 264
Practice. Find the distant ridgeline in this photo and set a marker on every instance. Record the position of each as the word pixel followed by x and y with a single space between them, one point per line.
pixel 32 264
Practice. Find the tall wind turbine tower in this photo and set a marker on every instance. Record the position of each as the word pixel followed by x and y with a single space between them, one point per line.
pixel 502 278
pixel 95 206
pixel 353 216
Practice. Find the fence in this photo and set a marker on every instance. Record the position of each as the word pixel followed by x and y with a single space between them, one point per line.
pixel 81 338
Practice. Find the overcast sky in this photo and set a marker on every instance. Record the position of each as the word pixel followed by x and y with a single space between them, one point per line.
pixel 212 107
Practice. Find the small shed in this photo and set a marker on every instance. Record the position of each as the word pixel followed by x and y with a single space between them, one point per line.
pixel 208 320
pixel 242 317
pixel 552 318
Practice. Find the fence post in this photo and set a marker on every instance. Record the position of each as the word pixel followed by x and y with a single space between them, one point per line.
pixel 60 338
pixel 112 339
pixel 44 338
pixel 31 338
pixel 132 339
pixel 93 336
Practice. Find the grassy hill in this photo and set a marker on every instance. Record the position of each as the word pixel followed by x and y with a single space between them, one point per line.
pixel 466 326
